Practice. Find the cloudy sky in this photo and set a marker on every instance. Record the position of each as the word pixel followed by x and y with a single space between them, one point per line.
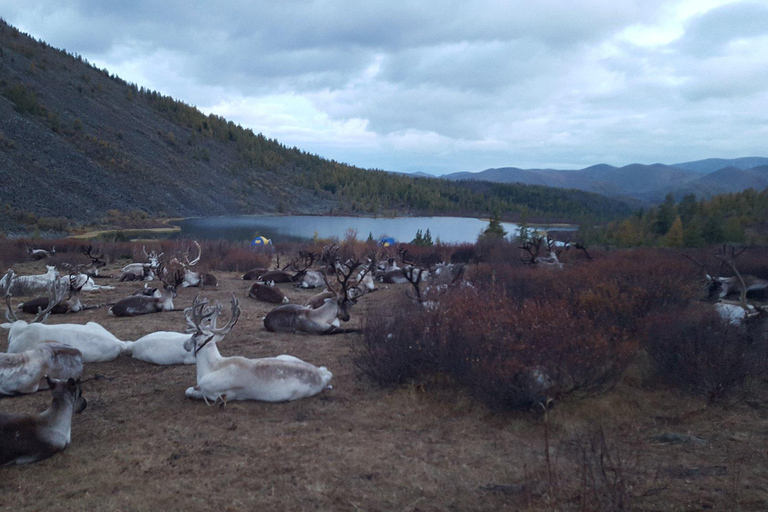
pixel 445 86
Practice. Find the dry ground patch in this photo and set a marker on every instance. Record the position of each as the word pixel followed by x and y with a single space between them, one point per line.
pixel 141 445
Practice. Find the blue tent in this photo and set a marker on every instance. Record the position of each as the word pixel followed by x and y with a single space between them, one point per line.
pixel 387 241
pixel 261 241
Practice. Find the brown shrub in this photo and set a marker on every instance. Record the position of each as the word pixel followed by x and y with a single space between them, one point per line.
pixel 398 344
pixel 697 351
pixel 514 355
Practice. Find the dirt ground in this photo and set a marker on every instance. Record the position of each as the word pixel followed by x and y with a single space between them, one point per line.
pixel 141 445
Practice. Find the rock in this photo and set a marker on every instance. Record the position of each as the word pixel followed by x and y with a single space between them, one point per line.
pixel 677 438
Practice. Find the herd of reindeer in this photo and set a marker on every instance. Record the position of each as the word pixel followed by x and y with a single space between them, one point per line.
pixel 51 356
pixel 42 356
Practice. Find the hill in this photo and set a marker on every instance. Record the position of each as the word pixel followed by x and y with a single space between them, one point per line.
pixel 77 142
pixel 714 164
pixel 647 183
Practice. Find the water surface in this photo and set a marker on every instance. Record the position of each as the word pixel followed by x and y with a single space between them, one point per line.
pixel 303 227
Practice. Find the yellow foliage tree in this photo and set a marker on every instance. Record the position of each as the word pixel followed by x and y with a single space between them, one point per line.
pixel 674 237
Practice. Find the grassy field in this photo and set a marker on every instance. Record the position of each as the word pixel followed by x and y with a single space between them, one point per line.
pixel 141 445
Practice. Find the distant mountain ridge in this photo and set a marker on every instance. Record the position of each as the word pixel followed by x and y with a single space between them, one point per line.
pixel 705 178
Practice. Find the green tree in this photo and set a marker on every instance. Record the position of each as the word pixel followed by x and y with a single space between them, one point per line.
pixel 665 216
pixel 495 229
pixel 692 233
pixel 674 237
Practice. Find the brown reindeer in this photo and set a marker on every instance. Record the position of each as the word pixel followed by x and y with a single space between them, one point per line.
pixel 144 304
pixel 267 292
pixel 322 320
pixel 27 438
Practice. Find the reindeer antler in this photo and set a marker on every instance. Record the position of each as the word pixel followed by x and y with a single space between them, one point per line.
pixel 727 255
pixel 532 247
pixel 235 314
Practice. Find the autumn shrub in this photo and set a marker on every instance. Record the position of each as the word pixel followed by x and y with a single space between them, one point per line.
pixel 695 350
pixel 509 355
pixel 398 344
pixel 618 289
pixel 231 256
pixel 512 355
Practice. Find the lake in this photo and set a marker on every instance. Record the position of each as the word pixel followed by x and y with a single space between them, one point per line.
pixel 304 227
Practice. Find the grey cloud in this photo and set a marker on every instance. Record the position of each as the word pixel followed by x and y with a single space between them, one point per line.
pixel 710 33
pixel 484 84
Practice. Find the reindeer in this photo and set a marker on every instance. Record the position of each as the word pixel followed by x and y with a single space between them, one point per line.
pixel 191 278
pixel 27 438
pixel 71 305
pixel 142 271
pixel 270 379
pixel 532 248
pixel 26 371
pixel 304 277
pixel 255 274
pixel 322 320
pixel 719 288
pixel 163 348
pixel 363 282
pixel 92 269
pixel 40 254
pixel 29 285
pixel 85 283
pixel 135 305
pixel 318 299
pixel 733 311
pixel 267 292
pixel 277 276
pixel 93 341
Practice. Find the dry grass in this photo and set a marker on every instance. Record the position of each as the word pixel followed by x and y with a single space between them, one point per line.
pixel 141 445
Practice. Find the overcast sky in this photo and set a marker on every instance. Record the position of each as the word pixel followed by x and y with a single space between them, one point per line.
pixel 445 86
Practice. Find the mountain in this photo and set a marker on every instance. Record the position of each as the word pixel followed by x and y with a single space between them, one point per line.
pixel 646 183
pixel 714 164
pixel 725 181
pixel 79 144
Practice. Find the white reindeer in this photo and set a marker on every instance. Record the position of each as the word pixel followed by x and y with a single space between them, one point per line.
pixel 163 348
pixel 192 278
pixel 94 342
pixel 27 371
pixel 142 271
pixel 271 379
pixel 30 285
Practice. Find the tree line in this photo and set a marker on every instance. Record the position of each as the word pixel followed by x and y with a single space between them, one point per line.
pixel 740 217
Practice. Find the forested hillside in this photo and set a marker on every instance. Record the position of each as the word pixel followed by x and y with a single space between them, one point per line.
pixel 78 144
pixel 735 218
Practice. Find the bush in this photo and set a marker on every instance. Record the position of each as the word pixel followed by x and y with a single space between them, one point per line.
pixel 514 355
pixel 397 345
pixel 508 355
pixel 697 351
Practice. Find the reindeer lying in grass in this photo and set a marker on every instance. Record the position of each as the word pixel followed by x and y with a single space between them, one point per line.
pixel 324 319
pixel 163 348
pixel 136 305
pixel 270 379
pixel 27 438
pixel 142 271
pixel 192 278
pixel 27 371
pixel 92 340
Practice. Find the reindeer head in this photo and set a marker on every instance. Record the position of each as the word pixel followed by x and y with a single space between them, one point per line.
pixel 68 390
pixel 153 257
pixel 202 319
pixel 96 259
pixel 171 280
